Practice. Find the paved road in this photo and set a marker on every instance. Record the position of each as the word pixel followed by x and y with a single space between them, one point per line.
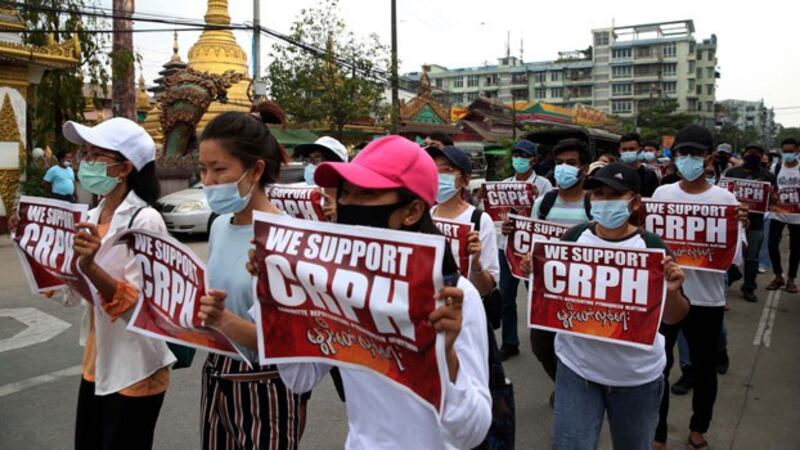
pixel 756 407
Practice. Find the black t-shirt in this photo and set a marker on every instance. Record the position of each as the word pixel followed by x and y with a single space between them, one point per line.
pixel 649 181
pixel 760 174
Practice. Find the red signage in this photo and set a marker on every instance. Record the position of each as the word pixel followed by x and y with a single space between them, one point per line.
pixel 754 194
pixel 788 200
pixel 520 241
pixel 507 197
pixel 353 297
pixel 701 236
pixel 611 294
pixel 302 202
pixel 456 234
pixel 44 239
pixel 173 280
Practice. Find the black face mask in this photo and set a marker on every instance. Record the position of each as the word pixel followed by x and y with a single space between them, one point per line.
pixel 752 161
pixel 376 216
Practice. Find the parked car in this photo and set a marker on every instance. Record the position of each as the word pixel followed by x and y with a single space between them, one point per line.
pixel 187 211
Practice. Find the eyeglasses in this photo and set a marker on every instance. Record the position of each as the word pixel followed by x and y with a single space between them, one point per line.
pixel 93 155
pixel 690 151
pixel 312 160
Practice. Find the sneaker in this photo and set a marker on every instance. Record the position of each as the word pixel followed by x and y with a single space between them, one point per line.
pixel 508 351
pixel 723 363
pixel 685 383
pixel 749 296
pixel 762 269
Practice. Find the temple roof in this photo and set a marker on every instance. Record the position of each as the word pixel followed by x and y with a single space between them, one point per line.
pixel 60 55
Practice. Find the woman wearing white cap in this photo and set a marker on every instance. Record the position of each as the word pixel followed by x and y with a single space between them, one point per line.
pixel 125 375
pixel 324 149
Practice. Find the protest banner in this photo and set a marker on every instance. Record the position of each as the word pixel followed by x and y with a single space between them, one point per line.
pixel 701 236
pixel 301 202
pixel 44 238
pixel 788 200
pixel 173 280
pixel 456 234
pixel 754 194
pixel 351 296
pixel 501 198
pixel 611 294
pixel 520 241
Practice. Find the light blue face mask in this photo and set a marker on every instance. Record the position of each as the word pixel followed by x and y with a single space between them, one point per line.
pixel 447 187
pixel 647 156
pixel 566 176
pixel 711 180
pixel 690 167
pixel 611 214
pixel 94 177
pixel 789 157
pixel 520 165
pixel 308 174
pixel 629 157
pixel 225 198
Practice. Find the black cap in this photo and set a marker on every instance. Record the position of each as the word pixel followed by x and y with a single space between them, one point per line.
pixel 618 176
pixel 455 155
pixel 755 147
pixel 577 145
pixel 694 136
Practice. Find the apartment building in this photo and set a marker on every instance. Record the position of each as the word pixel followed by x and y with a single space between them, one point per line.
pixel 624 71
pixel 749 115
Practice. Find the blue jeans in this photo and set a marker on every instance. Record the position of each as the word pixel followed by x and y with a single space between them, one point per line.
pixel 508 293
pixel 754 240
pixel 581 405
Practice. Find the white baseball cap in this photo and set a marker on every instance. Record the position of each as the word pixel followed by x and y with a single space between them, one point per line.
pixel 327 143
pixel 118 134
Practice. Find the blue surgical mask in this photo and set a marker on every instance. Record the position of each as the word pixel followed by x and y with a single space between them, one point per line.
pixel 447 187
pixel 566 176
pixel 225 198
pixel 647 156
pixel 611 214
pixel 520 165
pixel 308 174
pixel 789 157
pixel 690 167
pixel 711 180
pixel 629 157
pixel 94 177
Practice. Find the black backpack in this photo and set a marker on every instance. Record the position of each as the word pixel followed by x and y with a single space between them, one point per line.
pixel 183 354
pixel 549 200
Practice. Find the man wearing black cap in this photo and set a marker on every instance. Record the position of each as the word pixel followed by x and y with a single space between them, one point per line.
pixel 752 170
pixel 524 156
pixel 629 149
pixel 595 376
pixel 705 290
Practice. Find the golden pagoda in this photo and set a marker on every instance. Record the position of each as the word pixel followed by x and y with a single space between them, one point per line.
pixel 215 52
pixel 142 100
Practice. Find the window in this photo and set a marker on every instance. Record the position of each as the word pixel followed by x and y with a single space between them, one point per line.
pixel 540 93
pixel 699 73
pixel 621 71
pixel 540 77
pixel 669 50
pixel 458 99
pixel 556 92
pixel 621 106
pixel 691 67
pixel 711 55
pixel 710 106
pixel 601 38
pixel 692 104
pixel 621 89
pixel 698 89
pixel 472 80
pixel 709 89
pixel 520 94
pixel 691 85
pixel 699 54
pixel 458 82
pixel 691 47
pixel 710 72
pixel 491 80
pixel 555 76
pixel 472 96
pixel 621 53
pixel 438 82
pixel 699 106
pixel 643 52
pixel 669 69
pixel 670 87
pixel 518 78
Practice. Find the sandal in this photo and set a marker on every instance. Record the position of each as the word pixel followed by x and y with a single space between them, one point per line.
pixel 777 283
pixel 790 287
pixel 701 446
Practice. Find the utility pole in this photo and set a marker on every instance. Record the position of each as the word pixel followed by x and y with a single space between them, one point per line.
pixel 256 40
pixel 123 92
pixel 395 93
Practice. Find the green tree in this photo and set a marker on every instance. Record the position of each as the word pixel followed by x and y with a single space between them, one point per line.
pixel 786 133
pixel 662 119
pixel 316 90
pixel 59 96
pixel 737 138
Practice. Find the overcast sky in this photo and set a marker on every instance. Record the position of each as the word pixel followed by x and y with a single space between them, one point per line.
pixel 758 46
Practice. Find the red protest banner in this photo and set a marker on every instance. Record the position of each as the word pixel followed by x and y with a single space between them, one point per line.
pixel 352 297
pixel 504 197
pixel 701 236
pixel 754 194
pixel 301 202
pixel 520 241
pixel 173 280
pixel 788 200
pixel 456 234
pixel 44 239
pixel 611 294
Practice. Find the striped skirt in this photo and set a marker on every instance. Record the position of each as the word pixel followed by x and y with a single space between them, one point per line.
pixel 245 408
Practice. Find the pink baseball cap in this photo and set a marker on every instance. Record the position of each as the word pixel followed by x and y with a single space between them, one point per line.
pixel 391 162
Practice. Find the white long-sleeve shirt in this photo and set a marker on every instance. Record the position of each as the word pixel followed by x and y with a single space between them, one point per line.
pixel 382 417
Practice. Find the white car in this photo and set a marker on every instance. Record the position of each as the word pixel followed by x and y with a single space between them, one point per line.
pixel 186 211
